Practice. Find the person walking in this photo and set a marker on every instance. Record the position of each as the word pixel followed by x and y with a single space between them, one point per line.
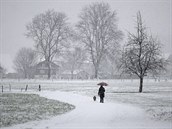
pixel 101 94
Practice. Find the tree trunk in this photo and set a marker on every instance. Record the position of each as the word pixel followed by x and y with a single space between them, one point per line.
pixel 141 84
pixel 96 72
pixel 72 75
pixel 25 75
pixel 49 70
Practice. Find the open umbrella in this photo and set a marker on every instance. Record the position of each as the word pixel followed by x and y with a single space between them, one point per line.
pixel 102 84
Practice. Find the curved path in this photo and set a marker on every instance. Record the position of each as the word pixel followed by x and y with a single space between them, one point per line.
pixel 94 115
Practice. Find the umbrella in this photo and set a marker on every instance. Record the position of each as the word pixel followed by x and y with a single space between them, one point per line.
pixel 102 84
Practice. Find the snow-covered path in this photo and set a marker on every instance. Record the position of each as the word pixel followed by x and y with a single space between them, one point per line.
pixel 94 115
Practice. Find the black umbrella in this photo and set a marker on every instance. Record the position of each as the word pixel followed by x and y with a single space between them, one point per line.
pixel 102 84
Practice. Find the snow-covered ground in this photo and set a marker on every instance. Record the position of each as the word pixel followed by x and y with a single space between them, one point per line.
pixel 90 115
pixel 124 107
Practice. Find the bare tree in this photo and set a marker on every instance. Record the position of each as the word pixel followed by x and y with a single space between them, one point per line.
pixel 25 61
pixel 74 59
pixel 142 53
pixel 2 71
pixel 98 31
pixel 50 32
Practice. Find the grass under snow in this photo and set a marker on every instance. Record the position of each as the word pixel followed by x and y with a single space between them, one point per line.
pixel 20 108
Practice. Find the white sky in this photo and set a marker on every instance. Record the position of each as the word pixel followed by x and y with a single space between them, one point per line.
pixel 15 14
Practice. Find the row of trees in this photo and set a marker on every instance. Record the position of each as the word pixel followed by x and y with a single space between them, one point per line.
pixel 96 29
pixel 98 34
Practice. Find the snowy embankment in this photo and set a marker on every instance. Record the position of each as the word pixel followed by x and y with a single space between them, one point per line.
pixel 89 115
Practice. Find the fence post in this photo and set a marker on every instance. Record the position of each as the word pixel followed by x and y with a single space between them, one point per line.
pixel 2 89
pixel 39 88
pixel 26 87
pixel 10 87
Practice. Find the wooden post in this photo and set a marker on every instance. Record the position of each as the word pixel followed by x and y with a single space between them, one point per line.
pixel 9 87
pixel 2 89
pixel 39 88
pixel 26 87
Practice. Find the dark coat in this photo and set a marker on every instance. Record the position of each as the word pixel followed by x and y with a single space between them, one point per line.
pixel 101 91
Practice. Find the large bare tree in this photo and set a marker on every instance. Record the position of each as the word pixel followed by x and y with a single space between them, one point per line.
pixel 25 61
pixel 142 53
pixel 50 32
pixel 98 31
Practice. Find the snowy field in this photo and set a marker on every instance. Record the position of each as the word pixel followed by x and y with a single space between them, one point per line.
pixel 124 107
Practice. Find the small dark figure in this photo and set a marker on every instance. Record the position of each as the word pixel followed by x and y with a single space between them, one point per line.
pixel 101 93
pixel 94 98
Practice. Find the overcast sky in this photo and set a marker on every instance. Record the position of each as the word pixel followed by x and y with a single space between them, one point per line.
pixel 15 14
